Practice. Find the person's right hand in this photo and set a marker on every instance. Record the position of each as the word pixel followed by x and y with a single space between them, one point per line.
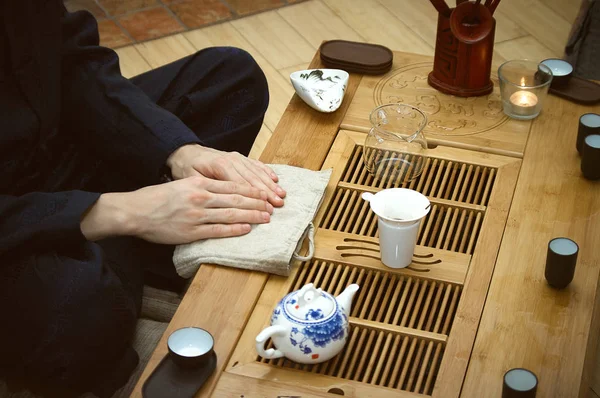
pixel 180 212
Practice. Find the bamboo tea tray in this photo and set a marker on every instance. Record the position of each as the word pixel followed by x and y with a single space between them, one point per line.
pixel 474 302
pixel 408 327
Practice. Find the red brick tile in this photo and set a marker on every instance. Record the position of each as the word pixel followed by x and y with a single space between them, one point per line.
pixel 111 35
pixel 150 24
pixel 196 13
pixel 88 5
pixel 118 7
pixel 243 7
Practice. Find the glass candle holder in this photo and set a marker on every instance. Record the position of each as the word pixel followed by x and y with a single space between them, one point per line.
pixel 523 87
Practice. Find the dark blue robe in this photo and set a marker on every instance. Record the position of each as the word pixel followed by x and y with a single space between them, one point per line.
pixel 71 127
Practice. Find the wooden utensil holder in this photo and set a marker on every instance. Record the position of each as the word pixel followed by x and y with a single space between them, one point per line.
pixel 460 68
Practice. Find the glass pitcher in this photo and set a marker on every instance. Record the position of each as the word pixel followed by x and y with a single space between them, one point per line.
pixel 395 146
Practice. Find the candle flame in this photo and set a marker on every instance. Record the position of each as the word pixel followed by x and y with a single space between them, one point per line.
pixel 523 82
pixel 523 100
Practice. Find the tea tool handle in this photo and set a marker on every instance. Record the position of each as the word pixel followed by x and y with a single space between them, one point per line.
pixel 262 338
pixel 367 196
pixel 441 7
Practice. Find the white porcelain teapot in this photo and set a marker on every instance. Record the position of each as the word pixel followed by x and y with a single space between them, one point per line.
pixel 308 326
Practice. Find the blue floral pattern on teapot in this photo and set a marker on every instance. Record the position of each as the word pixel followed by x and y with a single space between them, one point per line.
pixel 308 325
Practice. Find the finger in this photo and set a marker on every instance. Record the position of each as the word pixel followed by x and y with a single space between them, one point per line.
pixel 256 181
pixel 237 201
pixel 266 169
pixel 236 187
pixel 234 216
pixel 208 231
pixel 266 175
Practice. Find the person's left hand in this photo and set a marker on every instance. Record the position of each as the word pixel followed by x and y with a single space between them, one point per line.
pixel 190 160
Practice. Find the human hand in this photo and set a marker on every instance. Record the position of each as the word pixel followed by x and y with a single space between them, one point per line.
pixel 179 212
pixel 190 160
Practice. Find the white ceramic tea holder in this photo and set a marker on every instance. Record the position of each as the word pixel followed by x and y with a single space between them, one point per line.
pixel 322 89
pixel 399 213
pixel 308 326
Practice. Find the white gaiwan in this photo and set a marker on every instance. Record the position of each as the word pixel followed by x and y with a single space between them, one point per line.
pixel 322 89
pixel 308 326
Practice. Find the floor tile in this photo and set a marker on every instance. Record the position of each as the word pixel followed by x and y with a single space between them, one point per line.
pixel 150 24
pixel 525 48
pixel 166 50
pixel 275 39
pixel 541 22
pixel 243 7
pixel 376 24
pixel 263 137
pixel 286 72
pixel 566 9
pixel 89 5
pixel 118 7
pixel 316 23
pixel 111 35
pixel 196 13
pixel 506 28
pixel 131 62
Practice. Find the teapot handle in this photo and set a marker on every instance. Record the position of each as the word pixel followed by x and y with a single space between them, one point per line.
pixel 262 338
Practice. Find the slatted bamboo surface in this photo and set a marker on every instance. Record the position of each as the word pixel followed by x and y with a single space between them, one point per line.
pixel 404 323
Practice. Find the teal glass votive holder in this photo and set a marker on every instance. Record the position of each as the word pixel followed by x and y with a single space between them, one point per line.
pixel 524 87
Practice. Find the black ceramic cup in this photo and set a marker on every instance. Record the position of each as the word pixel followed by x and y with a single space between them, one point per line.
pixel 519 383
pixel 560 262
pixel 590 157
pixel 561 71
pixel 190 347
pixel 589 123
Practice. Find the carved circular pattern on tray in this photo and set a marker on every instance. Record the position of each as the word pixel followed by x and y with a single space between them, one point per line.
pixel 446 114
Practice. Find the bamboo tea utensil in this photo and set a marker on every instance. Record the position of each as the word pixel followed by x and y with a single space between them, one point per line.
pixel 467 48
pixel 441 7
pixel 492 6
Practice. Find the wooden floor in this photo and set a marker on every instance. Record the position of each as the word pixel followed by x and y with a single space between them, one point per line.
pixel 285 40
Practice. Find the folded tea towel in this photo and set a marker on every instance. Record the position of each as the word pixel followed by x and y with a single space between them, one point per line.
pixel 268 247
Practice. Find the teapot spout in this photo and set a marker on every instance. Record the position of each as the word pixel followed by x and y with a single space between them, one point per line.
pixel 345 298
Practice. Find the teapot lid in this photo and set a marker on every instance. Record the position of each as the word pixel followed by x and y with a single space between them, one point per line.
pixel 309 304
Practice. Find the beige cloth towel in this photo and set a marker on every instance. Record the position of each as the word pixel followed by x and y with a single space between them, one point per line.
pixel 268 247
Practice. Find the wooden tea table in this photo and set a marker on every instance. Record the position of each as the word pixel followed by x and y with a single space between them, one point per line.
pixel 473 305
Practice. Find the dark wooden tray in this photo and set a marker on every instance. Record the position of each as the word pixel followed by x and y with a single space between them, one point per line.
pixel 579 90
pixel 170 380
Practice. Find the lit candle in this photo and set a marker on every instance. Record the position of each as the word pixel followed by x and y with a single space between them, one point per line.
pixel 523 102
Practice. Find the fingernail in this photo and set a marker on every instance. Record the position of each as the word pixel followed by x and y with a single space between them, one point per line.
pixel 280 191
pixel 246 228
pixel 269 208
pixel 266 217
pixel 274 176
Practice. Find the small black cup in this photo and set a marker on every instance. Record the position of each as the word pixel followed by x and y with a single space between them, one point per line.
pixel 560 262
pixel 519 383
pixel 590 157
pixel 561 71
pixel 190 347
pixel 589 123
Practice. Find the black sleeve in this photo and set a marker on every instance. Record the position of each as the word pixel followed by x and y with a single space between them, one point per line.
pixel 113 116
pixel 42 221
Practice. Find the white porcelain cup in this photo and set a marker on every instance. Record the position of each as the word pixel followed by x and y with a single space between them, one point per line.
pixel 399 212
